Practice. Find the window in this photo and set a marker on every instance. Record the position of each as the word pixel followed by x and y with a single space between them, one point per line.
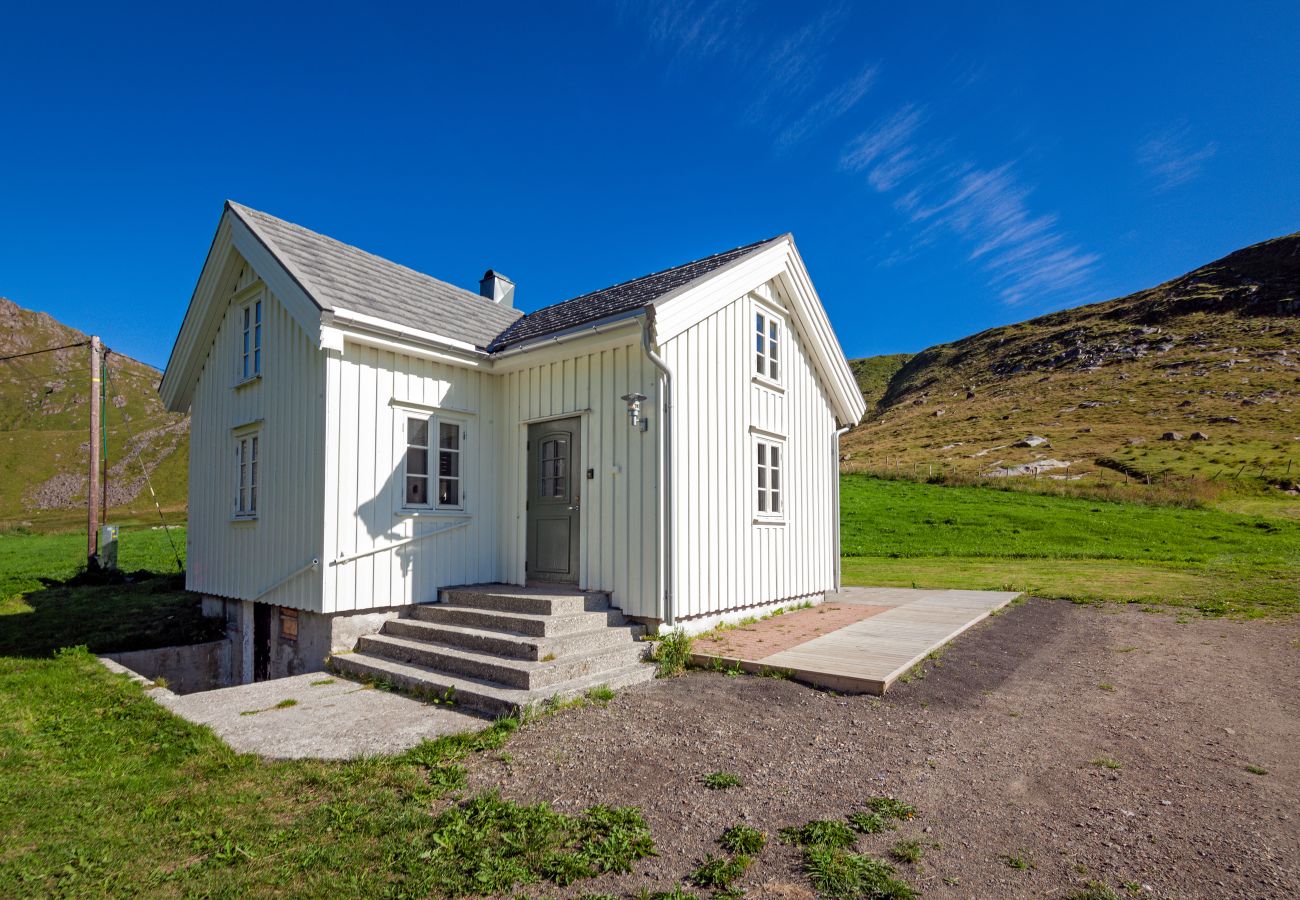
pixel 767 335
pixel 769 459
pixel 247 455
pixel 448 485
pixel 251 357
pixel 553 476
pixel 288 624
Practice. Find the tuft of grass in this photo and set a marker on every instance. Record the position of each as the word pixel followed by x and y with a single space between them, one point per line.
pixel 1018 860
pixel 286 703
pixel 718 781
pixel 322 681
pixel 839 875
pixel 601 694
pixel 672 652
pixel 1106 762
pixel 891 808
pixel 869 822
pixel 743 839
pixel 1106 686
pixel 1094 890
pixel 820 833
pixel 1256 770
pixel 719 872
pixel 908 851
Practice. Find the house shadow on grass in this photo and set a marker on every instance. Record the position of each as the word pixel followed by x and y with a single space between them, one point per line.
pixel 106 612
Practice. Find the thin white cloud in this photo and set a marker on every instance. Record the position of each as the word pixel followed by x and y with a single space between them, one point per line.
pixel 1172 157
pixel 691 29
pixel 830 107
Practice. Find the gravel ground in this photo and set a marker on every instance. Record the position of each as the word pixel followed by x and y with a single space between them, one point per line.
pixel 995 745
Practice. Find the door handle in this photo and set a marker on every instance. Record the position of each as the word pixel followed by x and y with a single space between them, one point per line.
pixel 573 509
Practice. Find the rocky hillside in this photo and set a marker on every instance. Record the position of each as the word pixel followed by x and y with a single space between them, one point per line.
pixel 44 409
pixel 1199 376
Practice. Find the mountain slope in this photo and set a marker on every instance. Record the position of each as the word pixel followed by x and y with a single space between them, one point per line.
pixel 1215 351
pixel 44 416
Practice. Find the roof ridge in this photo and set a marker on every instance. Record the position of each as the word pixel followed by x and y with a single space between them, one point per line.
pixel 693 262
pixel 383 259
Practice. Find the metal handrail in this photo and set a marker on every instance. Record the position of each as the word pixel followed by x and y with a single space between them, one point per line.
pixel 419 537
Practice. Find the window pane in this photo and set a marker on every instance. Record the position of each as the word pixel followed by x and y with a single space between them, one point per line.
pixel 448 491
pixel 417 461
pixel 258 315
pixel 776 480
pixel 257 362
pixel 771 330
pixel 762 500
pixel 762 454
pixel 417 490
pixel 772 370
pixel 776 456
pixel 758 323
pixel 252 499
pixel 448 463
pixel 448 436
pixel 417 432
pixel 776 501
pixel 758 344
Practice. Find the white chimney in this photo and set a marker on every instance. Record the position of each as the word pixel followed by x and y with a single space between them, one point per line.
pixel 497 288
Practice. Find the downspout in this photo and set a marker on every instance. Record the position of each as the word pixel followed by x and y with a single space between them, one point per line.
pixel 665 464
pixel 835 509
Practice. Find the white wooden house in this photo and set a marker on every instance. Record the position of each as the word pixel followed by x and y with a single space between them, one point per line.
pixel 365 436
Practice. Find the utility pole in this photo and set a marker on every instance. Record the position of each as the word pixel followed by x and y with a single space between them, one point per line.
pixel 92 487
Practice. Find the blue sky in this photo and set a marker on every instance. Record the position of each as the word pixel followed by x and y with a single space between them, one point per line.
pixel 944 167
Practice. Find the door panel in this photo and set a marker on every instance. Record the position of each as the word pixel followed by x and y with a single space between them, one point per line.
pixel 553 500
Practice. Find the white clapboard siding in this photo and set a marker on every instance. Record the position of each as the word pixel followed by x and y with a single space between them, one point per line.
pixel 371 393
pixel 724 560
pixel 241 559
pixel 618 519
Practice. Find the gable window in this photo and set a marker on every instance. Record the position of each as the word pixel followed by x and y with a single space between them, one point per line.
pixel 247 454
pixel 767 347
pixel 251 354
pixel 443 486
pixel 769 457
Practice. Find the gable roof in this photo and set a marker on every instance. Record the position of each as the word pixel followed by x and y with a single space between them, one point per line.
pixel 338 276
pixel 620 298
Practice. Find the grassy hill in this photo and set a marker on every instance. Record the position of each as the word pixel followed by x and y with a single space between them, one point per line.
pixel 1216 351
pixel 874 374
pixel 44 412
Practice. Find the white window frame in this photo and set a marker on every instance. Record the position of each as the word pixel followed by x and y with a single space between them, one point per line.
pixel 436 422
pixel 252 330
pixel 769 348
pixel 769 501
pixel 250 479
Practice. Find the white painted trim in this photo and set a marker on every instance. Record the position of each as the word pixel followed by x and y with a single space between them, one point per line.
pixel 397 403
pixel 396 328
pixel 552 418
pixel 590 340
pixel 407 347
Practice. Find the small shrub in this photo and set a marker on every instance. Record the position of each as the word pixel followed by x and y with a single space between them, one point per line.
pixel 819 833
pixel 891 808
pixel 672 652
pixel 719 871
pixel 717 781
pixel 1017 860
pixel 743 839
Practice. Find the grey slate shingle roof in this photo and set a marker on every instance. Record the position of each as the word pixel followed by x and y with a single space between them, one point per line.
pixel 338 276
pixel 619 298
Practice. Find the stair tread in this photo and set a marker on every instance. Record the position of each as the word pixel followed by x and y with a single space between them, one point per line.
pixel 502 634
pixel 483 656
pixel 469 685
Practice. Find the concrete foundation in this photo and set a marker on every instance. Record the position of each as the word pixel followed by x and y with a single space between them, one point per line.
pixel 184 670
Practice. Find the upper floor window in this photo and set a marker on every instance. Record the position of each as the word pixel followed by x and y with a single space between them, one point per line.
pixel 247 452
pixel 442 487
pixel 767 336
pixel 769 458
pixel 251 354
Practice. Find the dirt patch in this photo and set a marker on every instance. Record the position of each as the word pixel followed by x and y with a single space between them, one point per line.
pixel 1094 743
pixel 778 633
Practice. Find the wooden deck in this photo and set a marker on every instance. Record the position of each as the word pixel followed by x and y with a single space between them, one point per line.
pixel 867 656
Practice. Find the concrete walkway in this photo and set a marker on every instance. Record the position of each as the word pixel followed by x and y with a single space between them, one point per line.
pixel 330 718
pixel 860 641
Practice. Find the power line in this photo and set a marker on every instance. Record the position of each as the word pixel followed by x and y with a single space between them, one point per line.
pixel 46 350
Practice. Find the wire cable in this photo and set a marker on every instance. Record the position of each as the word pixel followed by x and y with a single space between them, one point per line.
pixel 46 350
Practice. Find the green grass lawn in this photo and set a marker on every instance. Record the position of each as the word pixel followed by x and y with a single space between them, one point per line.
pixel 900 533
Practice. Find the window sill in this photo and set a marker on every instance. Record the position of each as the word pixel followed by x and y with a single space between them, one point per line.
pixel 243 520
pixel 763 520
pixel 432 514
pixel 765 382
pixel 240 385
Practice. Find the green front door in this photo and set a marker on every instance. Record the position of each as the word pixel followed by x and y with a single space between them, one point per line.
pixel 553 501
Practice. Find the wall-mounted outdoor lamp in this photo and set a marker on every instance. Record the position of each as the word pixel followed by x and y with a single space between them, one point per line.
pixel 635 419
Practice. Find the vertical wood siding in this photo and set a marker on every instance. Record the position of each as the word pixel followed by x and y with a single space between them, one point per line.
pixel 619 511
pixel 241 559
pixel 724 560
pixel 364 496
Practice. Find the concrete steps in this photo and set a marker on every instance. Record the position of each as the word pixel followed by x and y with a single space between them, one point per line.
pixel 498 648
